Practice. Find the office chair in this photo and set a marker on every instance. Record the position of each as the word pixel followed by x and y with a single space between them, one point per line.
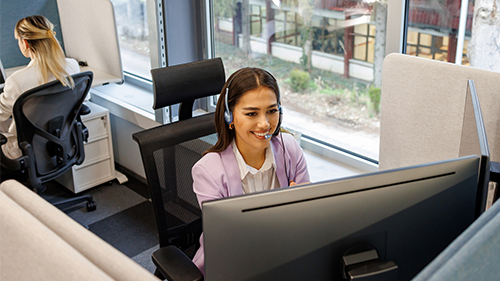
pixel 50 135
pixel 168 153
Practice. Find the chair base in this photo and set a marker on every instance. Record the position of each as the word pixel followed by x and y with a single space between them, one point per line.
pixel 63 204
pixel 71 202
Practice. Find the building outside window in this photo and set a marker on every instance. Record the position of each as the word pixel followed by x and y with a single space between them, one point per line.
pixel 323 54
pixel 433 30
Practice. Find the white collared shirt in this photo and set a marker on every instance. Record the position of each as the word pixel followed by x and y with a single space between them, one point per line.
pixel 253 180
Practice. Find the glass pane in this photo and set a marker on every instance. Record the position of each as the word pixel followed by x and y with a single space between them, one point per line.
pixel 333 45
pixel 465 59
pixel 434 25
pixel 360 48
pixel 133 35
pixel 425 52
pixel 411 50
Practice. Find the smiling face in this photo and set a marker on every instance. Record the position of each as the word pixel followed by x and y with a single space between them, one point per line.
pixel 255 116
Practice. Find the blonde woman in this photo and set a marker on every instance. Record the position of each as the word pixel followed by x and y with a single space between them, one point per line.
pixel 37 41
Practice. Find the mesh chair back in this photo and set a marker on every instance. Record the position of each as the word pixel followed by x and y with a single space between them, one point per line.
pixel 168 153
pixel 180 205
pixel 48 127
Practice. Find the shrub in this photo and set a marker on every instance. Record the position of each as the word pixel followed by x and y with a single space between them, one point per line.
pixel 299 80
pixel 374 94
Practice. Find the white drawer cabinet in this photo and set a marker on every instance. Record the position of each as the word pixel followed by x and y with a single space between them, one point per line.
pixel 99 164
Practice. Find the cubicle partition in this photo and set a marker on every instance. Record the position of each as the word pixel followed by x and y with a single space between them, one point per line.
pixel 422 110
pixel 89 32
pixel 10 13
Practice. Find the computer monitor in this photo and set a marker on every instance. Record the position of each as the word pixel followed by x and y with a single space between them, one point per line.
pixel 407 215
pixel 3 77
pixel 474 141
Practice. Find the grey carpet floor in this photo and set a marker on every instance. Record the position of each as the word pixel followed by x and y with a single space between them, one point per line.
pixel 124 217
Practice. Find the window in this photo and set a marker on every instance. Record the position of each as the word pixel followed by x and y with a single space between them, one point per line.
pixel 335 45
pixel 133 34
pixel 434 30
pixel 333 104
pixel 257 20
pixel 140 31
pixel 364 38
pixel 328 35
pixel 287 28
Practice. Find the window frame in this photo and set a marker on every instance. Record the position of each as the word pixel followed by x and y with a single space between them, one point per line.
pixel 397 28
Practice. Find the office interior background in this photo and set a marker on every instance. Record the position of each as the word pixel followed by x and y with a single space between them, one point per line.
pixel 327 56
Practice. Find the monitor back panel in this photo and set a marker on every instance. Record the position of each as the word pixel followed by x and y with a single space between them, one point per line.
pixel 301 233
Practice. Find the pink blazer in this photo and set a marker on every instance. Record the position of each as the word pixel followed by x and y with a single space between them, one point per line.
pixel 216 175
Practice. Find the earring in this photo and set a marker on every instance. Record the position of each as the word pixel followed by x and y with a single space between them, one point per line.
pixel 231 126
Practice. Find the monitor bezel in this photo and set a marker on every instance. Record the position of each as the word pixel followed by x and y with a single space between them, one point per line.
pixel 483 149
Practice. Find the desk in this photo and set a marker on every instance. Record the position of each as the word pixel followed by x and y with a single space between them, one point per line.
pixel 99 164
pixel 100 77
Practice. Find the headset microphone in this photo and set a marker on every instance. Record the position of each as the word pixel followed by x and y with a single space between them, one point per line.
pixel 268 136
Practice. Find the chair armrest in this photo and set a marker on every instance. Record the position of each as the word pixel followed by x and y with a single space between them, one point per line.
pixel 3 139
pixel 174 265
pixel 84 110
pixel 18 164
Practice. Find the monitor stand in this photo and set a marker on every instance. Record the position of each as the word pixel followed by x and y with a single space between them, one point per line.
pixel 362 263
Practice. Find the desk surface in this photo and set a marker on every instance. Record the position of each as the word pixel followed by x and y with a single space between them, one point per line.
pixel 100 77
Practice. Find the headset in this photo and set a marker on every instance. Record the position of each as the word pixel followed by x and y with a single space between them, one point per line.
pixel 228 118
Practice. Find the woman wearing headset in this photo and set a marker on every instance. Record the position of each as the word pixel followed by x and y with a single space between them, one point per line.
pixel 36 40
pixel 251 153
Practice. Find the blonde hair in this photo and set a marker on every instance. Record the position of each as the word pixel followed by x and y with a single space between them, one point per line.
pixel 42 43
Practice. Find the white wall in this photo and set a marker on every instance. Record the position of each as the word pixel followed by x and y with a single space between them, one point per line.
pixel 125 120
pixel 125 149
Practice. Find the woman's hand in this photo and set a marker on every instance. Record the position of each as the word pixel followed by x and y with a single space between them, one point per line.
pixel 293 183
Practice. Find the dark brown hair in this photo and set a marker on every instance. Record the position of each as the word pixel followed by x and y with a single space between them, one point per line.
pixel 240 82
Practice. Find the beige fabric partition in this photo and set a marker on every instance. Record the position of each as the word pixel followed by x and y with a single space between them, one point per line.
pixel 39 242
pixel 89 34
pixel 422 110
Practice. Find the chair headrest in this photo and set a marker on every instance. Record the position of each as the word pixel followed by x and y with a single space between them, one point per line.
pixel 190 81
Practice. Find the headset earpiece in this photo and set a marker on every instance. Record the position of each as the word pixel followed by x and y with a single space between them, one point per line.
pixel 228 115
pixel 280 110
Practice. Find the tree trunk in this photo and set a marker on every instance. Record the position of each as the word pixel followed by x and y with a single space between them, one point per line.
pixel 270 26
pixel 245 25
pixel 380 35
pixel 306 8
pixel 484 47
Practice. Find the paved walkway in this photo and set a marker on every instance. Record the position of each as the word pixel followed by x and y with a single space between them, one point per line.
pixel 354 140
